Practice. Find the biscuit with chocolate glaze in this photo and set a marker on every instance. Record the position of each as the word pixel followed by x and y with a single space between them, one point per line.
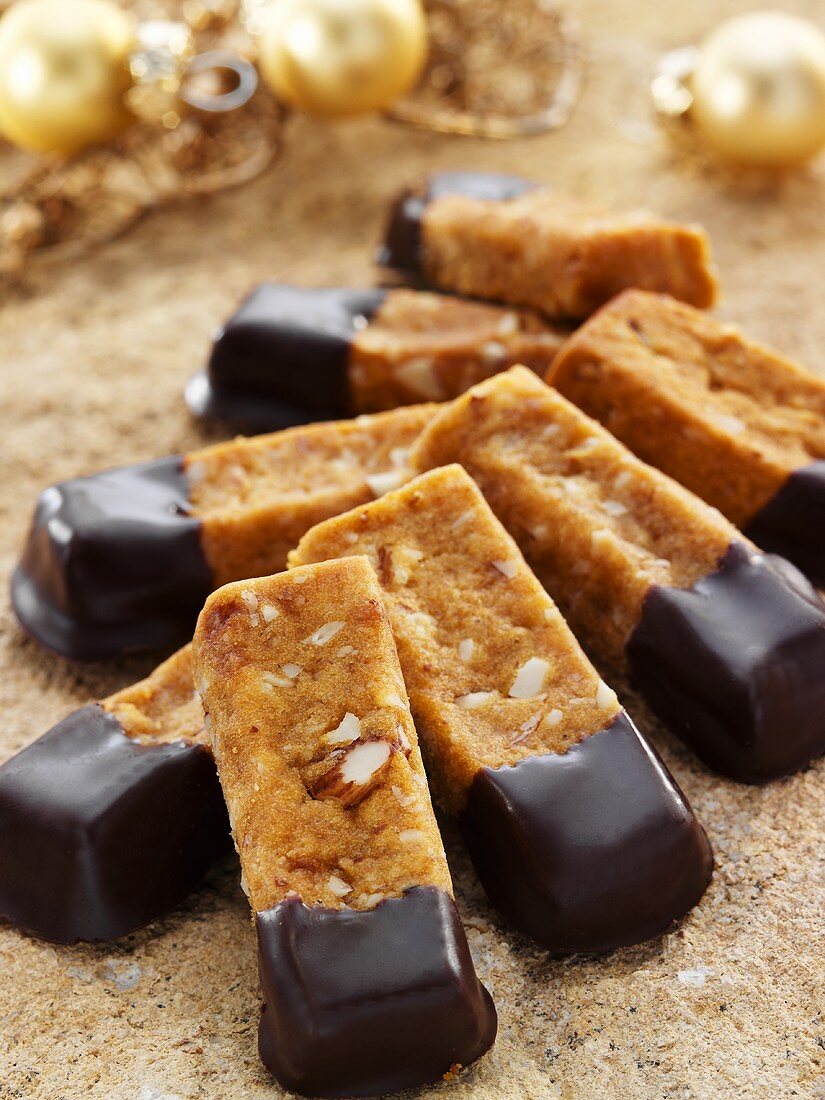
pixel 366 973
pixel 723 641
pixel 513 240
pixel 123 560
pixel 580 836
pixel 113 816
pixel 738 424
pixel 289 355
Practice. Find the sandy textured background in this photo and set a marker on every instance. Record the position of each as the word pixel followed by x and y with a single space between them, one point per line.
pixel 93 362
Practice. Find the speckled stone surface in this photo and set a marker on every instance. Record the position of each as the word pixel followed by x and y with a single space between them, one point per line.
pixel 94 360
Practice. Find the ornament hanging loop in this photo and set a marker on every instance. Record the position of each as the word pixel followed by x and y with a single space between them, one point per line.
pixel 219 61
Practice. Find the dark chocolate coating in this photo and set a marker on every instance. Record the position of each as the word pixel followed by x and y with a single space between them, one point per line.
pixel 734 665
pixel 402 248
pixel 99 834
pixel 793 522
pixel 365 1003
pixel 590 849
pixel 113 563
pixel 281 358
pixel 245 412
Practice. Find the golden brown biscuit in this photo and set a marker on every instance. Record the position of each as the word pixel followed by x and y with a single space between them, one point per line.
pixel 124 559
pixel 723 641
pixel 290 355
pixel 432 347
pixel 254 498
pixel 521 736
pixel 315 746
pixel 162 708
pixel 598 526
pixel 318 759
pixel 738 424
pixel 510 240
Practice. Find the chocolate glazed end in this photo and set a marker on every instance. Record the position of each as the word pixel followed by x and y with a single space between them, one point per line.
pixel 403 247
pixel 249 413
pixel 366 1003
pixel 588 850
pixel 792 523
pixel 113 563
pixel 99 834
pixel 282 358
pixel 733 665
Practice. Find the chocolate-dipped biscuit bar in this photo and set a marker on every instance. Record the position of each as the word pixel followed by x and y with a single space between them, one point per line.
pixel 281 358
pixel 580 836
pixel 512 240
pixel 367 977
pixel 293 354
pixel 725 643
pixel 123 560
pixel 738 424
pixel 111 818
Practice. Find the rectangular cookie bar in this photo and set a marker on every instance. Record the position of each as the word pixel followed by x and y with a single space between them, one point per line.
pixel 738 424
pixel 123 560
pixel 112 817
pixel 366 973
pixel 432 347
pixel 579 835
pixel 724 642
pixel 290 354
pixel 512 240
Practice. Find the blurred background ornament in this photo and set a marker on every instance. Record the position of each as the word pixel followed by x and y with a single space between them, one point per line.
pixel 136 104
pixel 496 69
pixel 489 68
pixel 63 73
pixel 342 57
pixel 196 123
pixel 75 73
pixel 754 90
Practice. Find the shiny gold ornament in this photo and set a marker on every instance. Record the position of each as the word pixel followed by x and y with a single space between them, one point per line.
pixel 755 89
pixel 52 209
pixel 759 89
pixel 63 73
pixel 342 57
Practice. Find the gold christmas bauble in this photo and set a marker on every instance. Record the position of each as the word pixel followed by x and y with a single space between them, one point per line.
pixel 759 90
pixel 63 73
pixel 342 57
